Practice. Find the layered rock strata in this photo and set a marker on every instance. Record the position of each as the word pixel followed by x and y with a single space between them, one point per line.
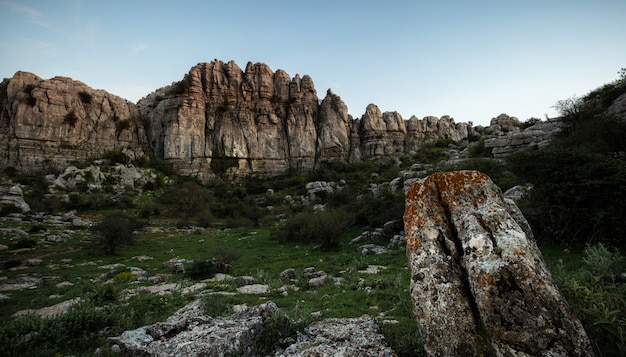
pixel 46 124
pixel 478 281
pixel 218 120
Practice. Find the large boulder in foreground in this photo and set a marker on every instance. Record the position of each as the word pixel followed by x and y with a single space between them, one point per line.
pixel 479 284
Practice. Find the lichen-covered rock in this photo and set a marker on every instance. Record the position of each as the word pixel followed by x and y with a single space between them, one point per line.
pixel 351 337
pixel 478 281
pixel 190 332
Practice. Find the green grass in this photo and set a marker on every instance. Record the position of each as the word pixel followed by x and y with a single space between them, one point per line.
pixel 383 296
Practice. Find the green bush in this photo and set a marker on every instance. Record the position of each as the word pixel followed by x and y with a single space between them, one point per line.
pixel 12 263
pixel 275 330
pixel 124 276
pixel 187 201
pixel 323 228
pixel 113 231
pixel 598 298
pixel 25 243
pixel 201 269
pixel 376 211
pixel 116 157
pixel 577 197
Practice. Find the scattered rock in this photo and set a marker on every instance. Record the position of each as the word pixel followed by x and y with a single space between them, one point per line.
pixel 287 274
pixel 13 197
pixel 54 238
pixel 372 269
pixel 64 284
pixel 33 262
pixel 253 289
pixel 20 283
pixel 244 280
pixel 141 258
pixel 476 267
pixel 369 249
pixel 50 311
pixel 318 281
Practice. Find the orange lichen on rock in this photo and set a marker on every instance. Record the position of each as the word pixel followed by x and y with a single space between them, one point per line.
pixel 486 280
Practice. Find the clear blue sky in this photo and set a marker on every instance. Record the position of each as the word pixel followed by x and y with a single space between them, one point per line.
pixel 471 60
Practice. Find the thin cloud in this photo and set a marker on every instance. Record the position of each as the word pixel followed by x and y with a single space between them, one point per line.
pixel 31 14
pixel 138 48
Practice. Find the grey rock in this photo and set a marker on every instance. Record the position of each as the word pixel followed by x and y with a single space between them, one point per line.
pixel 348 337
pixel 288 274
pixel 475 266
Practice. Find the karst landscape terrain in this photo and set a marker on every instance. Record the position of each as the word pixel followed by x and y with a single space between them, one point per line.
pixel 237 213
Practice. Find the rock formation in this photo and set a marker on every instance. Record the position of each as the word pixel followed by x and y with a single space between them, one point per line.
pixel 217 120
pixel 510 139
pixel 478 281
pixel 47 124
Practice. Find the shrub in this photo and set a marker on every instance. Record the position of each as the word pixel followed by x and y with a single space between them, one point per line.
pixel 13 263
pixel 598 299
pixel 577 195
pixel 103 293
pixel 116 157
pixel 376 211
pixel 85 97
pixel 25 243
pixel 323 228
pixel 201 269
pixel 188 200
pixel 124 276
pixel 113 232
pixel 275 330
pixel 70 119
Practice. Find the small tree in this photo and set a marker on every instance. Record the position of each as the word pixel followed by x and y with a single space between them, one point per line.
pixel 113 232
pixel 188 200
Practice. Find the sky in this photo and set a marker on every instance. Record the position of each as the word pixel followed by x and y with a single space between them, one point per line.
pixel 471 60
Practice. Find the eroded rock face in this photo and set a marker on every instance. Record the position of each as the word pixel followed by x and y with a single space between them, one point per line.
pixel 534 137
pixel 476 271
pixel 45 124
pixel 218 120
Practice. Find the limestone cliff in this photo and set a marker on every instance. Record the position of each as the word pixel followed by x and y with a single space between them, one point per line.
pixel 45 124
pixel 218 120
pixel 222 120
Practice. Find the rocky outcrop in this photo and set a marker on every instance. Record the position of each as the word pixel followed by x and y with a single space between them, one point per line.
pixel 12 198
pixel 513 140
pixel 478 281
pixel 430 129
pixel 46 124
pixel 191 332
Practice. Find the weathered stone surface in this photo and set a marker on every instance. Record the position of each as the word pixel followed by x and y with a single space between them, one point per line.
pixel 351 337
pixel 219 119
pixel 50 311
pixel 475 269
pixel 13 196
pixel 46 124
pixel 190 332
pixel 511 141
